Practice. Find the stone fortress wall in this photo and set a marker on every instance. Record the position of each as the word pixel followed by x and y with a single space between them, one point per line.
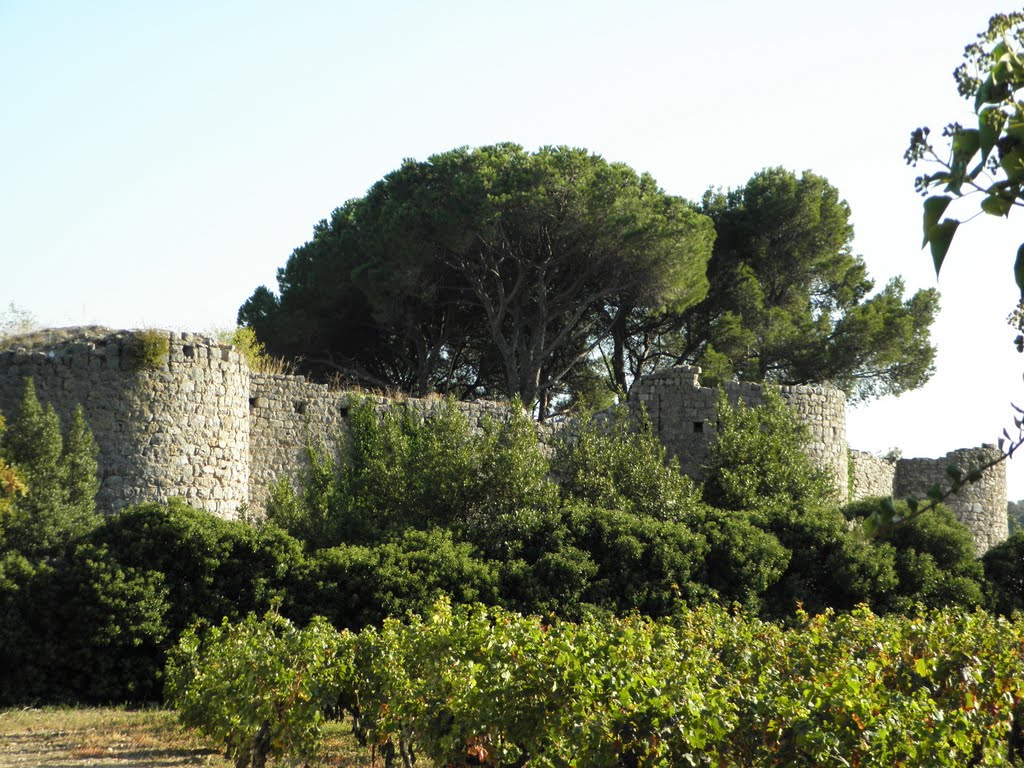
pixel 180 429
pixel 872 475
pixel 975 504
pixel 200 426
pixel 288 412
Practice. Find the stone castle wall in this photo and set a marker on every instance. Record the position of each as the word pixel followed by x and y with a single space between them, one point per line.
pixel 684 417
pixel 872 475
pixel 287 412
pixel 202 427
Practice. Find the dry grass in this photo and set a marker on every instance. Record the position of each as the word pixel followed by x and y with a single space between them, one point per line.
pixel 146 738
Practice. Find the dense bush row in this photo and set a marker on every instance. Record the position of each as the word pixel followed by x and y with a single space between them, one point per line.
pixel 608 524
pixel 478 686
pixel 412 511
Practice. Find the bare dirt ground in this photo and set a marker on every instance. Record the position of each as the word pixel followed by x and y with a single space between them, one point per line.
pixel 118 738
pixel 100 737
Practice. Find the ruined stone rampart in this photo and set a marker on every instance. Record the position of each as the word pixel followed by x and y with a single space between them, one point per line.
pixel 683 415
pixel 179 429
pixel 195 423
pixel 872 475
pixel 198 425
pixel 287 412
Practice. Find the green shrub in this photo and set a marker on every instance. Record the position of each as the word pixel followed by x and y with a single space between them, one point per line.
pixel 617 463
pixel 623 530
pixel 355 586
pixel 399 471
pixel 759 467
pixel 742 560
pixel 933 559
pixel 642 564
pixel 1004 571
pixel 95 623
pixel 759 460
pixel 212 567
pixel 255 353
pixel 148 350
pixel 81 628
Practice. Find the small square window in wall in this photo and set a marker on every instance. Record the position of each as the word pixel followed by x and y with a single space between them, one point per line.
pixel 698 426
pixel 300 407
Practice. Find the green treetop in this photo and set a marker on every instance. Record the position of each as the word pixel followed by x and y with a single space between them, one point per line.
pixel 484 271
pixel 790 302
pixel 60 475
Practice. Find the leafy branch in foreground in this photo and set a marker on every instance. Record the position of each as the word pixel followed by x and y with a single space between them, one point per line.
pixel 987 159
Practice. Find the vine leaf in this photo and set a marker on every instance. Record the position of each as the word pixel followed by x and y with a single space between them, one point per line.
pixel 940 236
pixel 1018 269
pixel 934 207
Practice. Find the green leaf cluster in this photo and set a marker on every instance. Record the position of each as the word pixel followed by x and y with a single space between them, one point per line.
pixel 11 483
pixel 470 685
pixel 400 471
pixel 987 156
pixel 933 557
pixel 260 686
pixel 148 349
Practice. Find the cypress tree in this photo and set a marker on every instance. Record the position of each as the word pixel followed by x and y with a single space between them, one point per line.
pixel 60 475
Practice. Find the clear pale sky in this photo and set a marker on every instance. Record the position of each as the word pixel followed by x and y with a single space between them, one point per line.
pixel 159 161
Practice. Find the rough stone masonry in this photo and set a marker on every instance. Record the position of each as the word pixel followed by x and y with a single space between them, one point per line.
pixel 199 425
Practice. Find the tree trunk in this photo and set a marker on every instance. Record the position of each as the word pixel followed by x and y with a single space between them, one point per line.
pixel 618 331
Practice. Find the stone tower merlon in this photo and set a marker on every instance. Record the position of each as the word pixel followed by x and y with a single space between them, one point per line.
pixel 178 427
pixel 684 417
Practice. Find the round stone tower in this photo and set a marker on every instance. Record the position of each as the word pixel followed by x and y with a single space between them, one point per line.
pixel 981 506
pixel 683 416
pixel 169 411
